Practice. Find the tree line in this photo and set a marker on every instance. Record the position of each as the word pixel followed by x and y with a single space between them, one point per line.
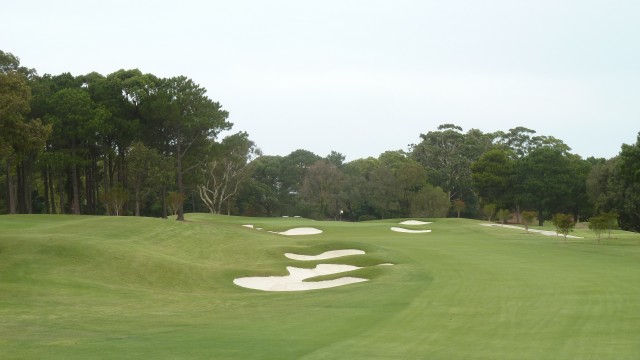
pixel 130 143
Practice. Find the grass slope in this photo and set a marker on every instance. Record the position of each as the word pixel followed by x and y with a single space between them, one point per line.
pixel 76 287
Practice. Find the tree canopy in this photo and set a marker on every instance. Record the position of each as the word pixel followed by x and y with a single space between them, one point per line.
pixel 133 143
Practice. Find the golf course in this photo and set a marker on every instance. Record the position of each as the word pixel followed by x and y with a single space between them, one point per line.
pixel 107 287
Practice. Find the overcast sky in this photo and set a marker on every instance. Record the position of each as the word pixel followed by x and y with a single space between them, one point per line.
pixel 363 77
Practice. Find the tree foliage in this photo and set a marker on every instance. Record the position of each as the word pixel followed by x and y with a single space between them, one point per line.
pixel 503 215
pixel 628 184
pixel 564 224
pixel 527 218
pixel 225 171
pixel 542 181
pixel 489 210
pixel 128 139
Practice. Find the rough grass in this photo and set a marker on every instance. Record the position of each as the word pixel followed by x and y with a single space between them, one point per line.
pixel 76 287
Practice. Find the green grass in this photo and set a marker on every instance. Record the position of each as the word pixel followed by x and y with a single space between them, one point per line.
pixel 80 287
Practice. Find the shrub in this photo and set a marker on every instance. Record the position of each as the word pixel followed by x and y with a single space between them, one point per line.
pixel 527 218
pixel 503 215
pixel 564 224
pixel 367 218
pixel 488 210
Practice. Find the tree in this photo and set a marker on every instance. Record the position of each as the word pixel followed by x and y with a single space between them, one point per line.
pixel 603 222
pixel 492 175
pixel 522 142
pixel 459 206
pixel 185 120
pixel 489 210
pixel 409 177
pixel 115 199
pixel 542 181
pixel 599 225
pixel 335 158
pixel 264 191
pixel 175 201
pixel 223 173
pixel 292 171
pixel 628 184
pixel 75 119
pixel 610 221
pixel 503 215
pixel 601 185
pixel 321 186
pixel 384 192
pixel 430 201
pixel 15 96
pixel 578 201
pixel 358 186
pixel 144 165
pixel 527 218
pixel 564 224
pixel 118 131
pixel 518 140
pixel 447 155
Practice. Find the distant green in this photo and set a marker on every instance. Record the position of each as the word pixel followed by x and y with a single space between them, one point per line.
pixel 81 287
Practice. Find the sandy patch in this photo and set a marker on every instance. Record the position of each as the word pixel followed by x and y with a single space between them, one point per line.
pixel 295 280
pixel 248 226
pixel 325 255
pixel 301 231
pixel 415 222
pixel 403 230
pixel 543 232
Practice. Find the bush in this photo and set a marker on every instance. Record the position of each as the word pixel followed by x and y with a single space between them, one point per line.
pixel 489 210
pixel 504 215
pixel 367 218
pixel 564 224
pixel 527 218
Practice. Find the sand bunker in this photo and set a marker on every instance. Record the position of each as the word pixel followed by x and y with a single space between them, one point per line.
pixel 415 222
pixel 543 232
pixel 403 230
pixel 325 255
pixel 248 226
pixel 301 231
pixel 295 280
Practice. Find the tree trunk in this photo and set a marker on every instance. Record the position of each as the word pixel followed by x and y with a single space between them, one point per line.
pixel 61 186
pixel 11 195
pixel 137 196
pixel 164 202
pixel 180 214
pixel 105 173
pixel 52 192
pixel 20 188
pixel 28 184
pixel 76 190
pixel 540 218
pixel 45 180
pixel 106 190
pixel 88 192
pixel 95 184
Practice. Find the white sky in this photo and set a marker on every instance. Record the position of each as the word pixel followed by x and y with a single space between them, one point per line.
pixel 363 77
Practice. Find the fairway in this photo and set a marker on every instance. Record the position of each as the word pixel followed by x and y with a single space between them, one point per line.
pixel 87 287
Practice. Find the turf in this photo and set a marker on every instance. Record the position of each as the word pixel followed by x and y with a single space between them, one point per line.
pixel 79 287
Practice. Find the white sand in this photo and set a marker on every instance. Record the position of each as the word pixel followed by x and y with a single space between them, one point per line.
pixel 543 232
pixel 325 255
pixel 415 222
pixel 248 226
pixel 294 281
pixel 403 230
pixel 301 231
